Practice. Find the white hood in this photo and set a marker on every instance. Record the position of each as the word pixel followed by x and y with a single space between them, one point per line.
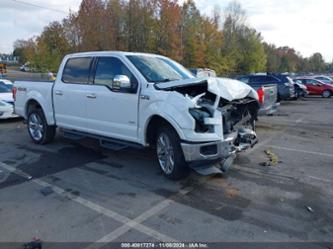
pixel 228 89
pixel 7 97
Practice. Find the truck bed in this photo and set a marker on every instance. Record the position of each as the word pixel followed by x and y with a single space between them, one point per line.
pixel 269 106
pixel 38 90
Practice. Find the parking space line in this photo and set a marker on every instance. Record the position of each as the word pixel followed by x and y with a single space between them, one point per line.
pixel 142 217
pixel 97 208
pixel 301 151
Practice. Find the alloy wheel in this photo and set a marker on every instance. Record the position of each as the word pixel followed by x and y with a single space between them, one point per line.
pixel 36 127
pixel 165 153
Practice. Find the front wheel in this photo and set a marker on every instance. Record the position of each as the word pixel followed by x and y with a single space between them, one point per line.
pixel 169 153
pixel 39 131
pixel 326 94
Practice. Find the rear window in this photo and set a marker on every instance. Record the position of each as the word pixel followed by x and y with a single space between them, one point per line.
pixel 264 79
pixel 77 70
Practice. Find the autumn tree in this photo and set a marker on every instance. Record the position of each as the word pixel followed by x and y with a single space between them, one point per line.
pixel 115 22
pixel 228 45
pixel 193 47
pixel 168 38
pixel 52 46
pixel 242 47
pixel 91 25
pixel 25 49
pixel 317 63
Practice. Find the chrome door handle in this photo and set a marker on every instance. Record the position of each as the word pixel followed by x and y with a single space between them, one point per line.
pixel 91 96
pixel 145 97
pixel 60 93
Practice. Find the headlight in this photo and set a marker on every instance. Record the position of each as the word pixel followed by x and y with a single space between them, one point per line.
pixel 199 116
pixel 2 103
pixel 286 84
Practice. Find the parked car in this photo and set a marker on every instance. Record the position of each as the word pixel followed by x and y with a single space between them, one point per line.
pixel 284 84
pixel 300 89
pixel 316 87
pixel 203 72
pixel 135 99
pixel 25 67
pixel 324 79
pixel 6 91
pixel 6 110
pixel 267 95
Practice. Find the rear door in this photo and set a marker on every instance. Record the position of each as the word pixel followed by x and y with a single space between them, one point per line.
pixel 111 112
pixel 70 94
pixel 314 87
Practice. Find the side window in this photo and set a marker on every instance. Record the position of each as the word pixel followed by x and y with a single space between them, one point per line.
pixel 272 79
pixel 258 79
pixel 253 79
pixel 77 70
pixel 108 67
pixel 311 82
pixel 244 79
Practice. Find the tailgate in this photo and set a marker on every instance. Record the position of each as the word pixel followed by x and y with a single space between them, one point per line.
pixel 270 93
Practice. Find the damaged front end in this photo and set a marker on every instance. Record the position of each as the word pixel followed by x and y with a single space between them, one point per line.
pixel 220 106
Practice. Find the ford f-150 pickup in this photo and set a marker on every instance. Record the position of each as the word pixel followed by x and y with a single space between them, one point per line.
pixel 135 99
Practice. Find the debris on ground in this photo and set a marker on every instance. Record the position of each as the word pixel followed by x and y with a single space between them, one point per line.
pixel 272 159
pixel 232 192
pixel 36 243
pixel 46 191
pixel 309 209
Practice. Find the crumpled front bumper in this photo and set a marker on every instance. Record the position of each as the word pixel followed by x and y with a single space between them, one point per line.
pixel 223 149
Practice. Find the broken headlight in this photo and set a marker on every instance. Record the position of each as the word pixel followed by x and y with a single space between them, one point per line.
pixel 199 115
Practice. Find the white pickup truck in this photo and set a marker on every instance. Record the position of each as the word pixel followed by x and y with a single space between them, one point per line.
pixel 135 99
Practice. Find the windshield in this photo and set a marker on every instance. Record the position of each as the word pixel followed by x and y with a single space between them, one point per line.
pixel 158 69
pixel 5 88
pixel 325 79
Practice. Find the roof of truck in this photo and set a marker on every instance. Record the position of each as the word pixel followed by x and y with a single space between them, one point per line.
pixel 101 53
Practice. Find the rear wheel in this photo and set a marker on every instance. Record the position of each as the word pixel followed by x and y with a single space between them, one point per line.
pixel 39 131
pixel 169 153
pixel 326 94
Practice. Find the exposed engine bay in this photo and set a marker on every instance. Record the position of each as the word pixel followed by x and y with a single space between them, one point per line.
pixel 221 106
pixel 237 113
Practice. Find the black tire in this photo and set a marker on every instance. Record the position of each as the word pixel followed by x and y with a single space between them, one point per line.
pixel 180 168
pixel 326 94
pixel 47 132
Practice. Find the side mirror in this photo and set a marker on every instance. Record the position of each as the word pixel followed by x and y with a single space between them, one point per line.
pixel 319 84
pixel 121 82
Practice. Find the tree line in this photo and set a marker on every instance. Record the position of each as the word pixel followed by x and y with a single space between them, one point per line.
pixel 223 41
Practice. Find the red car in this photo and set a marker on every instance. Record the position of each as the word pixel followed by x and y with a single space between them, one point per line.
pixel 316 87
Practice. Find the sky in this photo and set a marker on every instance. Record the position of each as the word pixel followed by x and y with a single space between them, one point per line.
pixel 306 25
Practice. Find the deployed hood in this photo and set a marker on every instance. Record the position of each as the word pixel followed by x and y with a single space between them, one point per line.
pixel 228 89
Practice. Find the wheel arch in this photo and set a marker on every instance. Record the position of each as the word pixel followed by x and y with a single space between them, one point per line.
pixel 32 104
pixel 35 102
pixel 156 121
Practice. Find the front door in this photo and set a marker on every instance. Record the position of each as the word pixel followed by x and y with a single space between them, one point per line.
pixel 314 87
pixel 113 113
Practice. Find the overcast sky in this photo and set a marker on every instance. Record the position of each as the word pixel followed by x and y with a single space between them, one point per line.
pixel 306 25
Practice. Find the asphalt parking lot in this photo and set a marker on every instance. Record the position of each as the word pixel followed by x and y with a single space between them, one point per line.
pixel 75 191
